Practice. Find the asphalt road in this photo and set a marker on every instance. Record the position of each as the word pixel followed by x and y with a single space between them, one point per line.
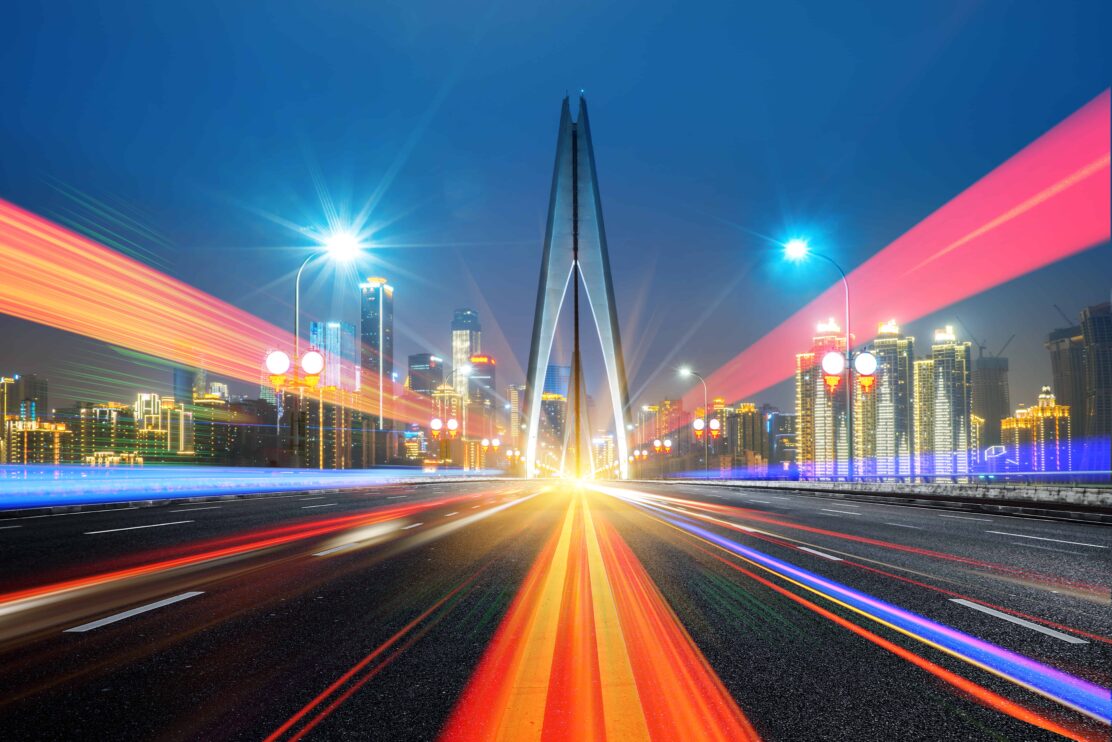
pixel 521 610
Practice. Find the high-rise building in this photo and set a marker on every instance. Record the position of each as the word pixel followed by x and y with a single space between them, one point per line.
pixel 336 342
pixel 923 439
pixel 1067 373
pixel 101 432
pixel 1038 438
pixel 426 373
pixel 32 441
pixel 553 419
pixel 515 393
pixel 1016 437
pixel 28 398
pixel 483 399
pixel 991 398
pixel 557 379
pixel 187 384
pixel 953 404
pixel 218 389
pixel 821 408
pixel 781 428
pixel 467 335
pixel 1096 332
pixel 747 439
pixel 148 410
pixel 894 393
pixel 376 334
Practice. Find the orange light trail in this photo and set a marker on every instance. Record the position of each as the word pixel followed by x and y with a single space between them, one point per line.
pixel 57 278
pixel 590 649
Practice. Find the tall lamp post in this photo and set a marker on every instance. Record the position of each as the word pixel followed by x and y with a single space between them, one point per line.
pixel 338 246
pixel 685 372
pixel 798 250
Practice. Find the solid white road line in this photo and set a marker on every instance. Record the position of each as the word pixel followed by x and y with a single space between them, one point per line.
pixel 133 612
pixel 904 525
pixel 1018 621
pixel 190 510
pixel 4 528
pixel 396 497
pixel 306 499
pixel 763 502
pixel 412 526
pixel 816 552
pixel 843 512
pixel 77 512
pixel 334 549
pixel 848 505
pixel 1041 538
pixel 133 528
pixel 966 517
pixel 449 515
pixel 326 505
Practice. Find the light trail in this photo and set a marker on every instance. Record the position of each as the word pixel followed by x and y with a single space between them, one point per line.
pixel 591 650
pixel 1047 202
pixel 55 277
pixel 1068 690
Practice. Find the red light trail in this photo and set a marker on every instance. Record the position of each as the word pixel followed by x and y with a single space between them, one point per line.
pixel 1047 202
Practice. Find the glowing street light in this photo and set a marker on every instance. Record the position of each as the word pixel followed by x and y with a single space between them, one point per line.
pixel 342 246
pixel 796 249
pixel 686 371
pixel 436 425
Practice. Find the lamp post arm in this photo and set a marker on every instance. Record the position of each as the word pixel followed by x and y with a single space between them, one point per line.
pixel 849 367
pixel 297 308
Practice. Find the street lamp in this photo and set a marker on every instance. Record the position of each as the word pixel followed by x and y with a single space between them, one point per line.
pixel 797 250
pixel 685 372
pixel 340 246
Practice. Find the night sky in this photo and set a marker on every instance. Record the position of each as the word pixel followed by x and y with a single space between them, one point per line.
pixel 218 134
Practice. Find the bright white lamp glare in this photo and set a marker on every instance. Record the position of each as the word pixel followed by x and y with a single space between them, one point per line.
pixel 342 246
pixel 312 363
pixel 865 364
pixel 699 424
pixel 277 362
pixel 796 249
pixel 833 363
pixel 715 423
pixel 465 370
pixel 453 423
pixel 436 423
pixel 685 371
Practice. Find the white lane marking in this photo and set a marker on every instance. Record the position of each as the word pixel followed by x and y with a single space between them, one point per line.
pixel 326 505
pixel 412 526
pixel 848 505
pixel 190 510
pixel 306 499
pixel 133 528
pixel 763 502
pixel 78 512
pixel 843 512
pixel 904 525
pixel 4 528
pixel 334 549
pixel 1041 538
pixel 133 612
pixel 966 517
pixel 449 515
pixel 476 507
pixel 1048 548
pixel 816 552
pixel 396 497
pixel 1018 621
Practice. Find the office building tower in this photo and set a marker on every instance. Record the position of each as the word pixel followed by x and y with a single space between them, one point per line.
pixel 32 441
pixel 894 393
pixel 991 399
pixel 746 436
pixel 482 398
pixel 148 410
pixel 28 397
pixel 953 404
pixel 467 336
pixel 426 373
pixel 821 408
pixel 923 439
pixel 102 433
pixel 1039 437
pixel 1096 332
pixel 553 420
pixel 1016 436
pixel 336 342
pixel 557 379
pixel 781 427
pixel 1066 346
pixel 218 389
pixel 515 393
pixel 188 383
pixel 376 334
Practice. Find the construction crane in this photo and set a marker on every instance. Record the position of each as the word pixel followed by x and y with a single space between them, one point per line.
pixel 981 345
pixel 1069 322
pixel 1005 346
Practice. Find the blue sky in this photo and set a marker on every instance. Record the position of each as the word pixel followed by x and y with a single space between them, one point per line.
pixel 218 128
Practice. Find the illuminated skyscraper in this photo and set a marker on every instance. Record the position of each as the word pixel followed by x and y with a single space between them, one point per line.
pixel 1067 368
pixel 336 342
pixel 923 439
pixel 467 337
pixel 376 335
pixel 28 398
pixel 1096 331
pixel 426 373
pixel 557 379
pixel 894 393
pixel 515 393
pixel 953 404
pixel 1051 434
pixel 991 398
pixel 821 409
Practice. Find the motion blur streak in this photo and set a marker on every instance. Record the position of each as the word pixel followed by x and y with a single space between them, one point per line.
pixel 55 277
pixel 220 549
pixel 47 486
pixel 624 669
pixel 1098 591
pixel 1068 690
pixel 1047 202
pixel 978 692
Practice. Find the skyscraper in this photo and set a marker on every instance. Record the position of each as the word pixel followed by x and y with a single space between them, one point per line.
pixel 895 411
pixel 426 373
pixel 29 399
pixel 557 379
pixel 1038 438
pixel 515 393
pixel 1096 332
pixel 991 398
pixel 482 398
pixel 467 336
pixel 953 404
pixel 923 440
pixel 336 342
pixel 1067 373
pixel 376 335
pixel 821 408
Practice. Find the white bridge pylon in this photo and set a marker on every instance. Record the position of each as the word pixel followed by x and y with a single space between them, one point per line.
pixel 575 227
